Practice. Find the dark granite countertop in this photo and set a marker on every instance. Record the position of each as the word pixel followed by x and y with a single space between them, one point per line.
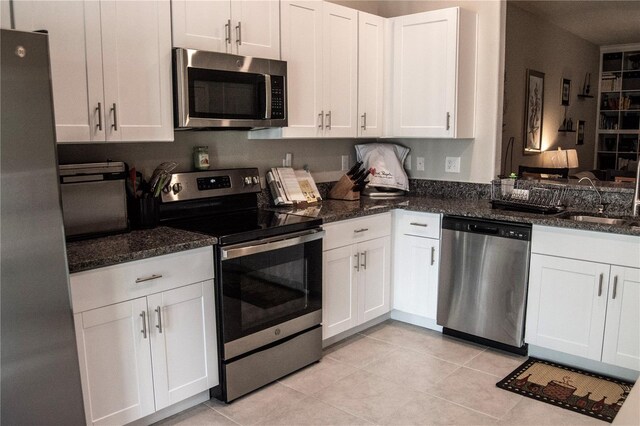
pixel 142 244
pixel 333 210
pixel 134 245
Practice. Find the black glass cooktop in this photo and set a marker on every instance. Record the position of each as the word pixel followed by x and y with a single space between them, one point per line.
pixel 246 225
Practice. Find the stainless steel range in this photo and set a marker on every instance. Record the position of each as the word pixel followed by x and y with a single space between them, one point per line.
pixel 268 276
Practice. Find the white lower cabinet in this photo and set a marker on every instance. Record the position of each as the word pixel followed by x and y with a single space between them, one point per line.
pixel 588 307
pixel 416 265
pixel 141 355
pixel 356 273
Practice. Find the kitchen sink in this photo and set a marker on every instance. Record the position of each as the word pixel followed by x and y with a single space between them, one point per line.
pixel 582 217
pixel 597 219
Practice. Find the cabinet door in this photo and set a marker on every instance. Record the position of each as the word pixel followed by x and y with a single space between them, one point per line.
pixel 566 305
pixel 301 32
pixel 339 291
pixel 115 362
pixel 622 328
pixel 76 63
pixel 424 74
pixel 415 288
pixel 203 25
pixel 136 52
pixel 340 70
pixel 183 342
pixel 374 278
pixel 370 74
pixel 256 27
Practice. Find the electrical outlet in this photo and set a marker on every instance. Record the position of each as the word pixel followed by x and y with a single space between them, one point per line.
pixel 288 159
pixel 345 163
pixel 452 165
pixel 420 164
pixel 407 162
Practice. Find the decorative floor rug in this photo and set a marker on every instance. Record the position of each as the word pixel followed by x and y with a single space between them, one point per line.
pixel 583 392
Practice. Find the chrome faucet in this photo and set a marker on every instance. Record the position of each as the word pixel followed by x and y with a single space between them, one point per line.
pixel 602 205
pixel 636 193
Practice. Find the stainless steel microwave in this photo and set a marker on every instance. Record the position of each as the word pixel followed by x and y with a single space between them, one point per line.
pixel 222 90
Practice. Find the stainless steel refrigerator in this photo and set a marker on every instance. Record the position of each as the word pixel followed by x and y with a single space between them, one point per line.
pixel 39 362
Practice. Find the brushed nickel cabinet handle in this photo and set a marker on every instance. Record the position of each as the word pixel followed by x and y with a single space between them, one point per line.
pixel 424 225
pixel 357 231
pixel 364 263
pixel 99 111
pixel 328 120
pixel 357 267
pixel 433 255
pixel 448 120
pixel 143 315
pixel 227 31
pixel 364 121
pixel 159 313
pixel 115 117
pixel 321 117
pixel 615 287
pixel 600 285
pixel 239 34
pixel 152 277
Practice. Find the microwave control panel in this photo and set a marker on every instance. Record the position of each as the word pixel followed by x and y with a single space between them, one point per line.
pixel 277 97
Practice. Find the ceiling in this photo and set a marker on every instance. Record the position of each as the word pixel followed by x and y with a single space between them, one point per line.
pixel 602 23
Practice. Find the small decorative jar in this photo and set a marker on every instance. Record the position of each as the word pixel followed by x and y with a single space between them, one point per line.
pixel 201 157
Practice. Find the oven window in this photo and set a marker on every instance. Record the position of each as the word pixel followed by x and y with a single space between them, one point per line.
pixel 265 289
pixel 226 95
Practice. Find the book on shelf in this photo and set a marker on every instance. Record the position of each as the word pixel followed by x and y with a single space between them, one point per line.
pixel 610 82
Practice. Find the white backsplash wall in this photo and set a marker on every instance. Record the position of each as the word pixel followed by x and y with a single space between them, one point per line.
pixel 227 149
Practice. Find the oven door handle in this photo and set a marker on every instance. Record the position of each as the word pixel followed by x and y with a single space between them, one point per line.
pixel 270 244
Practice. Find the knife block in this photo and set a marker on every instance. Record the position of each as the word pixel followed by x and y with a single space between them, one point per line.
pixel 342 190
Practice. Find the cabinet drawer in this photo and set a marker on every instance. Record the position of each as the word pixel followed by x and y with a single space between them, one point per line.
pixel 351 231
pixel 99 287
pixel 420 224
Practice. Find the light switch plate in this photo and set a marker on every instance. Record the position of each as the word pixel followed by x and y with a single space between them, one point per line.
pixel 345 163
pixel 420 164
pixel 452 165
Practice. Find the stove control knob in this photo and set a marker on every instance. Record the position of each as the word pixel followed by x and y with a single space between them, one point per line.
pixel 177 187
pixel 247 180
pixel 256 180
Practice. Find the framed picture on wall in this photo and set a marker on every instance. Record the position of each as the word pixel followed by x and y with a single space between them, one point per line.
pixel 580 133
pixel 565 94
pixel 534 101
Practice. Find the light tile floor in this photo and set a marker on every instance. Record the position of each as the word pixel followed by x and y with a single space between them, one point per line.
pixel 390 374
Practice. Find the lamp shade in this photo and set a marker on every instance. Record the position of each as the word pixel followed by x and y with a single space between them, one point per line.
pixel 572 158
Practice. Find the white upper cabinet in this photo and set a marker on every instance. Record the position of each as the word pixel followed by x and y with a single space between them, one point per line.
pixel 340 70
pixel 319 43
pixel 76 64
pixel 434 74
pixel 136 52
pixel 301 30
pixel 110 66
pixel 240 27
pixel 370 74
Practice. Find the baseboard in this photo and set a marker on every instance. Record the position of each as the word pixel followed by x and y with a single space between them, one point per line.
pixel 335 339
pixel 584 363
pixel 172 409
pixel 416 320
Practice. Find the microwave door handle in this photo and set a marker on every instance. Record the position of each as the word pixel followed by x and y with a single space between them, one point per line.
pixel 267 96
pixel 241 250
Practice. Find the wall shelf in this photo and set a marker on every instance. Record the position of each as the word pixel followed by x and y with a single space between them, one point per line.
pixel 585 96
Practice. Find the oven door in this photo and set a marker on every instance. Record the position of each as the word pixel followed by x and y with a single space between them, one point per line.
pixel 271 289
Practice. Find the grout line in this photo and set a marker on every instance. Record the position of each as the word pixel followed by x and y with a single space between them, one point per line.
pixel 465 407
pixel 224 415
pixel 342 409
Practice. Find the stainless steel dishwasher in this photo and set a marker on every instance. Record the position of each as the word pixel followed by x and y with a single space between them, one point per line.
pixel 482 289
